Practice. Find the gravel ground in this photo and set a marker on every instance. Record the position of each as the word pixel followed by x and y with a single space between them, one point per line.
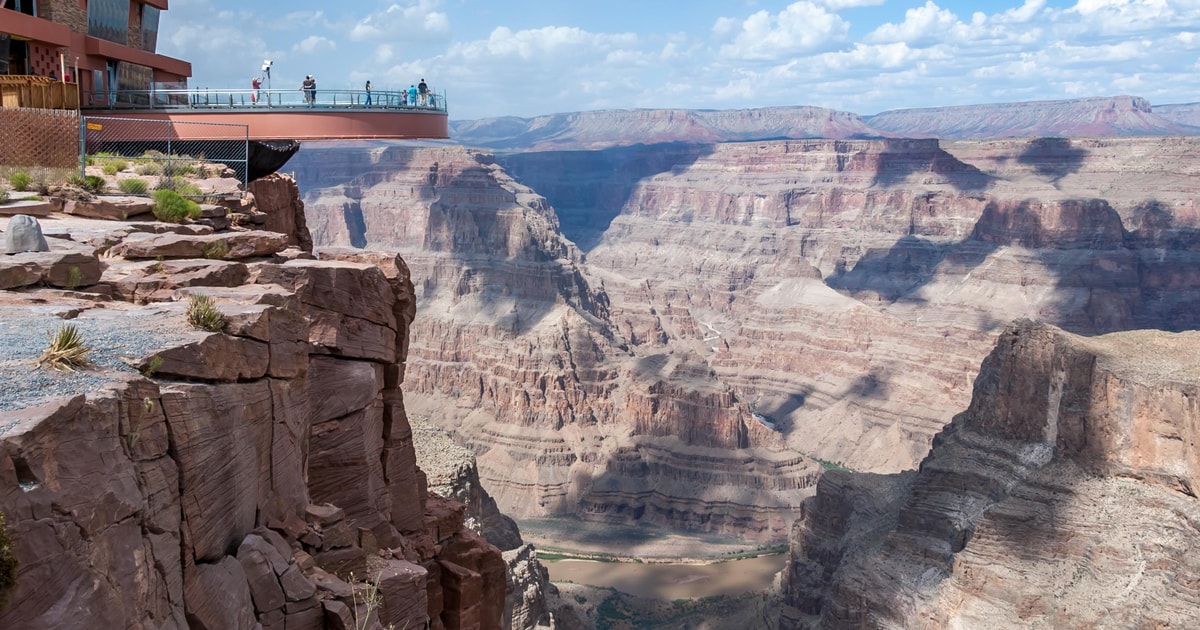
pixel 442 460
pixel 111 333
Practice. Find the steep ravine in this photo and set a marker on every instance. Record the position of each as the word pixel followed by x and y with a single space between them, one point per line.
pixel 746 306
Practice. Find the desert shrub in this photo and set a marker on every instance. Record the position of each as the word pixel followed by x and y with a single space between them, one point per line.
pixel 21 181
pixel 172 208
pixel 184 169
pixel 94 183
pixel 8 563
pixel 150 168
pixel 3 195
pixel 202 313
pixel 90 183
pixel 133 186
pixel 112 167
pixel 180 185
pixel 215 250
pixel 66 350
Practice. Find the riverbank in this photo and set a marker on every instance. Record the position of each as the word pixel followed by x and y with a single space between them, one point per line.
pixel 568 538
pixel 672 581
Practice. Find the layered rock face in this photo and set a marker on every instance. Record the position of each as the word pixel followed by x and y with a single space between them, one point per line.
pixel 738 308
pixel 1103 116
pixel 515 352
pixel 259 476
pixel 1063 497
pixel 610 128
pixel 848 288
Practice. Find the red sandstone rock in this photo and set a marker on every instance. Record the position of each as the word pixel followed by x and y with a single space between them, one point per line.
pixel 226 246
pixel 1045 502
pixel 112 208
pixel 157 488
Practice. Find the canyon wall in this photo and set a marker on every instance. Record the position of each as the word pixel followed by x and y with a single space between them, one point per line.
pixel 260 475
pixel 723 316
pixel 514 352
pixel 1063 497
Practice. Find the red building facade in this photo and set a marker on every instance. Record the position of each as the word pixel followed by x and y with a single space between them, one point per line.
pixel 103 45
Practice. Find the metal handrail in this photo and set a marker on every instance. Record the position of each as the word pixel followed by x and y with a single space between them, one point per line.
pixel 259 99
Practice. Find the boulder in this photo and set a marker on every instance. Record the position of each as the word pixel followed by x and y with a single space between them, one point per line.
pixel 24 234
pixel 110 207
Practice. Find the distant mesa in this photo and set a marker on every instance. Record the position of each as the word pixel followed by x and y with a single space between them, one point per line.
pixel 1084 117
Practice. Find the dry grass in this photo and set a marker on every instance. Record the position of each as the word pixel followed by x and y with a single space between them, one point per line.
pixel 202 313
pixel 66 351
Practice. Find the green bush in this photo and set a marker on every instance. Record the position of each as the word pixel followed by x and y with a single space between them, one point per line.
pixel 180 185
pixel 3 195
pixel 21 181
pixel 169 206
pixel 133 186
pixel 95 183
pixel 90 183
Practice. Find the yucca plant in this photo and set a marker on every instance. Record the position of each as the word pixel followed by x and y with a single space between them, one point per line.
pixel 66 351
pixel 202 313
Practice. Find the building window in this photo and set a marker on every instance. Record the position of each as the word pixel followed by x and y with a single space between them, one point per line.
pixel 28 7
pixel 109 19
pixel 149 28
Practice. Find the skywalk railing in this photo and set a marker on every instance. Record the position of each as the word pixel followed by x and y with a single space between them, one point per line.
pixel 204 99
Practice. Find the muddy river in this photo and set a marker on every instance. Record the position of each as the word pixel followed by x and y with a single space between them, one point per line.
pixel 672 581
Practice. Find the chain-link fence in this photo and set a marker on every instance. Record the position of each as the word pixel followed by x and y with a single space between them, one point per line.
pixel 164 153
pixel 47 138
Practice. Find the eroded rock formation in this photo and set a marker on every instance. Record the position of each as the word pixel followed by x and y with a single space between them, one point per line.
pixel 259 476
pixel 722 314
pixel 515 352
pixel 1063 497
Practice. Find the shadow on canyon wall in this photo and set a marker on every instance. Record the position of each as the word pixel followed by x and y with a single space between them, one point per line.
pixel 1053 158
pixel 1107 277
pixel 902 158
pixel 587 206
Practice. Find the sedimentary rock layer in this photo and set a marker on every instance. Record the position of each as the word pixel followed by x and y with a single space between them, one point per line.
pixel 823 298
pixel 514 350
pixel 1063 497
pixel 257 476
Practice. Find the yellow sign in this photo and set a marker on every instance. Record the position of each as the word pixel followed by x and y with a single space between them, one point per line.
pixel 94 126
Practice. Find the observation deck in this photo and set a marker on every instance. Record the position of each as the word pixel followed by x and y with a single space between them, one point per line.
pixel 273 115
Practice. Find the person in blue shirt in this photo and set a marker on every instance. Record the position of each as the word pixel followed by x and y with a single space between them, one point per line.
pixel 412 95
pixel 368 88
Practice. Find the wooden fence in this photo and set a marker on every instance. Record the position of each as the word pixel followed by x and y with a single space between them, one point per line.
pixel 37 93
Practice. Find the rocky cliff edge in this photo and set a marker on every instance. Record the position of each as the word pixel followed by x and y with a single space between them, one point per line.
pixel 260 476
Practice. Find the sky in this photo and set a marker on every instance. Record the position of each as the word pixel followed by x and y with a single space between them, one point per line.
pixel 528 58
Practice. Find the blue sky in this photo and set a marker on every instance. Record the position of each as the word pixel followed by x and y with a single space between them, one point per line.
pixel 531 57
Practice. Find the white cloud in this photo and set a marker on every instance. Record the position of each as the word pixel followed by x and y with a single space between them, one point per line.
pixel 801 27
pixel 921 26
pixel 838 5
pixel 420 18
pixel 314 44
